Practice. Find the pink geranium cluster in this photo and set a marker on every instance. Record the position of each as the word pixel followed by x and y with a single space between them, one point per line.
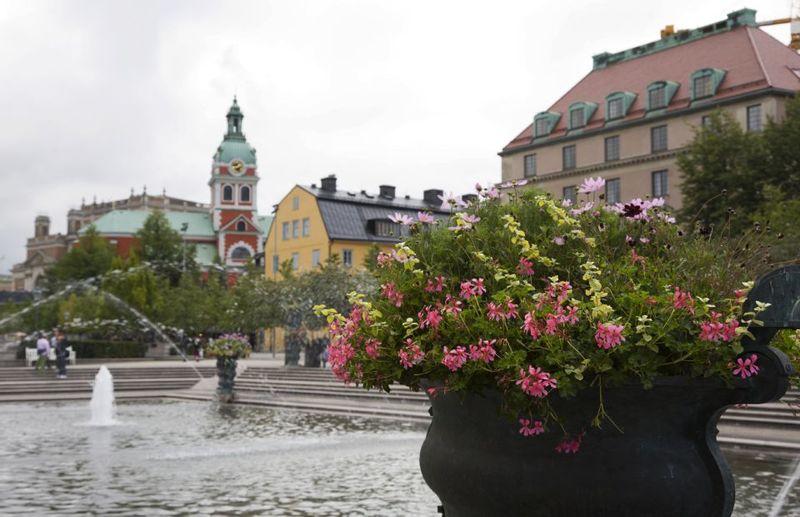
pixel 528 429
pixel 525 267
pixel 483 351
pixel 410 354
pixel 683 300
pixel 570 445
pixel 455 358
pixel 536 382
pixel 435 285
pixel 470 288
pixel 343 335
pixel 389 290
pixel 429 317
pixel 500 311
pixel 746 367
pixel 715 331
pixel 608 335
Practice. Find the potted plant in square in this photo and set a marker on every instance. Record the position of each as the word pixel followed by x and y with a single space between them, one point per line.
pixel 228 349
pixel 577 358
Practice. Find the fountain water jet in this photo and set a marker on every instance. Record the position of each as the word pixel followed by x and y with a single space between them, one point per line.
pixel 102 404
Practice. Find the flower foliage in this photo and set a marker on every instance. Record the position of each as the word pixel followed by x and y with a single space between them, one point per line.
pixel 230 345
pixel 534 299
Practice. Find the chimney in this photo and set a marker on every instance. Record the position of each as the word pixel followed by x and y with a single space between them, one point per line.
pixel 329 183
pixel 430 196
pixel 387 191
pixel 469 198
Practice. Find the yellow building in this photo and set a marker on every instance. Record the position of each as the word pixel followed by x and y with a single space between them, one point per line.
pixel 313 223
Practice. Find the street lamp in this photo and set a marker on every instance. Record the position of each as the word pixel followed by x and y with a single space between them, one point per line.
pixel 184 227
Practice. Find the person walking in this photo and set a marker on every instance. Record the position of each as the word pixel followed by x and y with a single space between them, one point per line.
pixel 42 350
pixel 61 355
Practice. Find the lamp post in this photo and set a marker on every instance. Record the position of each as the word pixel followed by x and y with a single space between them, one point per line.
pixel 184 227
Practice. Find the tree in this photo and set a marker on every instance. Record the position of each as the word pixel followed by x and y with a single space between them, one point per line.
pixel 163 247
pixel 782 145
pixel 90 258
pixel 721 183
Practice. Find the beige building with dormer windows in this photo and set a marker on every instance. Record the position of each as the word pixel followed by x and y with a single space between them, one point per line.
pixel 636 111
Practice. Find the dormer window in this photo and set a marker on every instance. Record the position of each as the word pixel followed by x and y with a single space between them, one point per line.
pixel 618 104
pixel 659 94
pixel 705 82
pixel 241 226
pixel 576 118
pixel 544 123
pixel 580 113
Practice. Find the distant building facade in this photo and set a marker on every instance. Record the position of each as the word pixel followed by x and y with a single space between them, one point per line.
pixel 228 228
pixel 313 223
pixel 636 111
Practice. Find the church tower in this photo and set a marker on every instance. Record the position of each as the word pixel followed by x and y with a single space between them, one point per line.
pixel 234 179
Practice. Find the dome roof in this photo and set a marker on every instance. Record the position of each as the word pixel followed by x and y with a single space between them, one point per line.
pixel 231 149
pixel 234 145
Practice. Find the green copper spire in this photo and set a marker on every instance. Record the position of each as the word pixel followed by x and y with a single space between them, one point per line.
pixel 235 117
pixel 234 145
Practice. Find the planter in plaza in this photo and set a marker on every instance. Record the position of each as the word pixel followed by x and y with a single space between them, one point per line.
pixel 228 349
pixel 577 358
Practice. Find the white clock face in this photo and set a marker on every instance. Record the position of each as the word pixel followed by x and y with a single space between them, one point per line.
pixel 237 167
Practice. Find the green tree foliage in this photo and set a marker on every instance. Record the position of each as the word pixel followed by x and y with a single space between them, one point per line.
pixel 163 247
pixel 778 218
pixel 781 164
pixel 91 257
pixel 720 174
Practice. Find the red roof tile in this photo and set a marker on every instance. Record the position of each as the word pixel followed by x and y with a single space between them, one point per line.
pixel 753 60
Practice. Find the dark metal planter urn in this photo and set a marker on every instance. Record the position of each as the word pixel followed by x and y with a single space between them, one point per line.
pixel 666 462
pixel 226 374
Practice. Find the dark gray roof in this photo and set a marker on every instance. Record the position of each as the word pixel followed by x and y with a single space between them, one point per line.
pixel 346 216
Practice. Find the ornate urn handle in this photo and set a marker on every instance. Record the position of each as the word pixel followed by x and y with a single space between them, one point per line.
pixel 781 289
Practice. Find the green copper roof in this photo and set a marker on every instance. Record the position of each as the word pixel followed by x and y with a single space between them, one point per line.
pixel 130 221
pixel 230 149
pixel 264 222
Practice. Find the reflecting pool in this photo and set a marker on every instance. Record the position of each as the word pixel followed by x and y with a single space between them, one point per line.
pixel 190 458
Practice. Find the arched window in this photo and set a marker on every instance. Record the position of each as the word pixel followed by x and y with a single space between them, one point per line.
pixel 241 226
pixel 244 194
pixel 240 253
pixel 227 193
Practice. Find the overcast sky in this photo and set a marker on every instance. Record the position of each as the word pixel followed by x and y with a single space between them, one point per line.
pixel 97 97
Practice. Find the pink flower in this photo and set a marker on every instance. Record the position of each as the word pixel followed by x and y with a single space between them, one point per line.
pixel 384 259
pixel 425 218
pixel 536 382
pixel 530 326
pixel 585 207
pixel 559 241
pixel 450 201
pixel 371 347
pixel 740 293
pixel 429 317
pixel 471 219
pixel 452 305
pixel 527 430
pixel 478 188
pixel 636 258
pixel 483 351
pixel 389 290
pixel 435 285
pixel 525 267
pixel 410 354
pixel 683 300
pixel 714 330
pixel 747 367
pixel 491 193
pixel 729 331
pixel 494 312
pixel 590 185
pixel 511 310
pixel 454 359
pixel 478 287
pixel 403 219
pixel 570 445
pixel 608 336
pixel 432 392
pixel 472 288
pixel 551 324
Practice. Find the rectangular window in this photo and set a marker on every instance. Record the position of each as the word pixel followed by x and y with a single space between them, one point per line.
pixel 306 227
pixel 295 229
pixel 614 108
pixel 576 118
pixel 754 118
pixel 702 86
pixel 285 228
pixel 706 121
pixel 388 229
pixel 530 165
pixel 295 203
pixel 568 157
pixel 658 139
pixel 295 261
pixel 612 148
pixel 612 191
pixel 570 193
pixel 276 264
pixel 347 257
pixel 658 97
pixel 314 258
pixel 660 183
pixel 542 125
